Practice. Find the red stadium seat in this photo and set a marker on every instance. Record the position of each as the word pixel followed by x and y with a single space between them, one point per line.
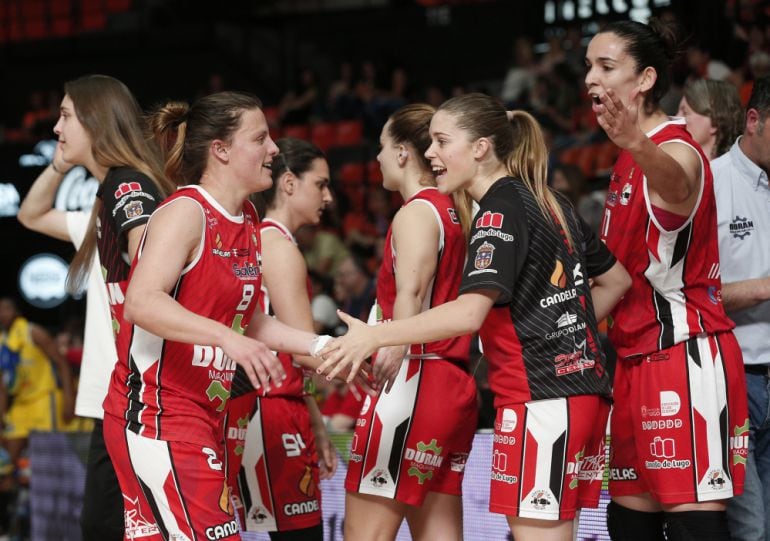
pixel 273 117
pixel 118 6
pixel 93 15
pixel 300 131
pixel 352 174
pixel 373 172
pixel 322 135
pixel 349 133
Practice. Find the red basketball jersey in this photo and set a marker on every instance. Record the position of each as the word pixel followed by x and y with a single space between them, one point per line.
pixel 293 385
pixel 175 391
pixel 443 288
pixel 676 291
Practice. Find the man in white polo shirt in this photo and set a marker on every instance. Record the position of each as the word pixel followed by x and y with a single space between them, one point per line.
pixel 743 211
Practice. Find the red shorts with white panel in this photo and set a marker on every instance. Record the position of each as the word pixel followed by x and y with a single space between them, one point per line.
pixel 680 424
pixel 171 490
pixel 416 438
pixel 272 463
pixel 548 457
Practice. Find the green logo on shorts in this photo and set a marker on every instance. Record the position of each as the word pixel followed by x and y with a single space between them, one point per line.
pixel 432 447
pixel 421 476
pixel 217 391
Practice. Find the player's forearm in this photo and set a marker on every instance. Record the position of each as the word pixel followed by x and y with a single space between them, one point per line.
pixel 745 294
pixel 456 318
pixel 279 336
pixel 41 195
pixel 665 175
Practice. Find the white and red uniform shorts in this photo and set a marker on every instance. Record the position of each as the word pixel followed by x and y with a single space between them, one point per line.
pixel 679 425
pixel 272 463
pixel 171 490
pixel 416 438
pixel 548 457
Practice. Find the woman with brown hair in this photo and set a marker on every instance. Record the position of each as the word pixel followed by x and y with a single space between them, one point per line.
pixel 713 113
pixel 190 319
pixel 526 287
pixel 101 128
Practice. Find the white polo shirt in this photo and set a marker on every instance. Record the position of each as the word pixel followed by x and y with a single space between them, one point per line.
pixel 743 222
pixel 99 352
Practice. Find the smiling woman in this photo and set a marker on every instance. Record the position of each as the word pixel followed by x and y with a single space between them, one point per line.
pixel 193 292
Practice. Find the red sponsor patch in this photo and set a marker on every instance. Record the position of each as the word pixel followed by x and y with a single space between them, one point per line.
pixel 490 219
pixel 127 187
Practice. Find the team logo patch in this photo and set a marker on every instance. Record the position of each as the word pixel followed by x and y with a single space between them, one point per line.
pixel 426 458
pixel 457 462
pixel 133 209
pixel 716 480
pixel 379 478
pixel 490 219
pixel 258 515
pixel 740 228
pixel 715 294
pixel 540 499
pixel 484 255
pixel 137 526
pixel 625 195
pixel 453 215
pixel 307 483
pixel 508 423
pixel 126 188
pixel 558 277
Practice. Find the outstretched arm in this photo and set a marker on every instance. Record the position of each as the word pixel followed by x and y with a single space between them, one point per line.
pixel 673 170
pixel 463 315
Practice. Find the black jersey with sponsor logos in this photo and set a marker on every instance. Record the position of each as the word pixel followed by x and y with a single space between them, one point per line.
pixel 540 338
pixel 128 198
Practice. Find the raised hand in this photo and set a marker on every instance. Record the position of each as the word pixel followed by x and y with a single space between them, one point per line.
pixel 618 120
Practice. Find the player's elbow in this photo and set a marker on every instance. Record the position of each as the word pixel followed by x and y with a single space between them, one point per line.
pixel 133 308
pixel 26 218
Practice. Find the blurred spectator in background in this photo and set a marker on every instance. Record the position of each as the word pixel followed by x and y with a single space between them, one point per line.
pixel 342 102
pixel 713 114
pixel 520 78
pixel 355 287
pixel 323 250
pixel 301 103
pixel 365 229
pixel 322 305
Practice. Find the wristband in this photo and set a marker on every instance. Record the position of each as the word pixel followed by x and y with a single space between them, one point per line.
pixel 53 166
pixel 318 343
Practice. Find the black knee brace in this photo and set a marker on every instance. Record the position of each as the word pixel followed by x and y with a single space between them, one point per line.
pixel 314 533
pixel 624 524
pixel 696 526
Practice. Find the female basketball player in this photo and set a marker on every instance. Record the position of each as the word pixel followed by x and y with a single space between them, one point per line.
pixel 679 385
pixel 273 468
pixel 100 127
pixel 526 286
pixel 190 319
pixel 389 477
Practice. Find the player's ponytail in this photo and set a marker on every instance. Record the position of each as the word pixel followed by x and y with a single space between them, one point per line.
pixel 528 161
